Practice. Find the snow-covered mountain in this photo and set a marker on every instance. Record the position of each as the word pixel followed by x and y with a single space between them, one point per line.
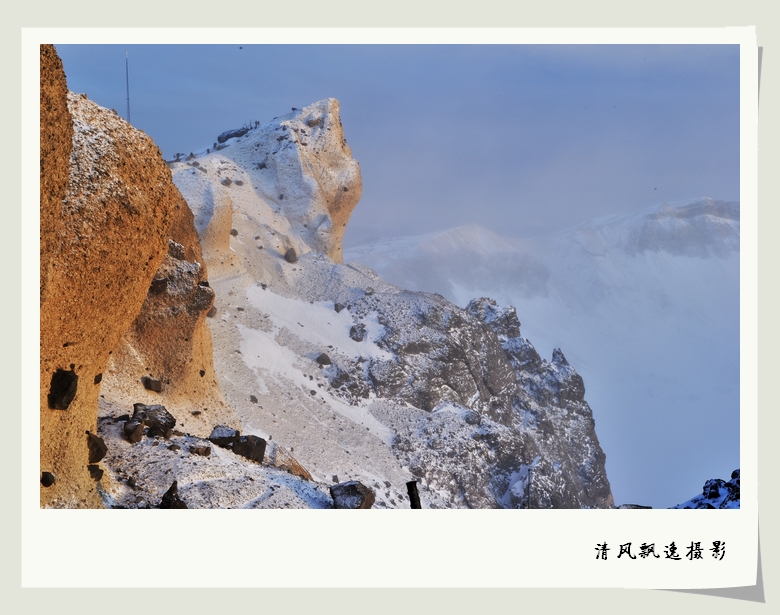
pixel 358 378
pixel 646 306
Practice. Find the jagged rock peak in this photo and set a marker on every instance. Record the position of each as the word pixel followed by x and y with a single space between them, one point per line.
pixel 295 175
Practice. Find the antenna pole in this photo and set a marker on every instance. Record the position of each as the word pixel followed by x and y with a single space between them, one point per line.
pixel 127 83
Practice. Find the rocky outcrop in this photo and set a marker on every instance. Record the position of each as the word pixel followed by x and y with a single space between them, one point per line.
pixel 103 236
pixel 166 356
pixel 295 176
pixel 123 291
pixel 716 493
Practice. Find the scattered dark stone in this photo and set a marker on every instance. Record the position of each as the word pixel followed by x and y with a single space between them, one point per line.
pixel 281 197
pixel 134 431
pixel 176 250
pixel 195 412
pixel 251 447
pixel 369 291
pixel 290 256
pixel 323 359
pixel 314 122
pixel 338 307
pixel 63 389
pixel 295 108
pixel 358 332
pixel 234 232
pixel 97 447
pixel 47 479
pixel 261 165
pixel 95 472
pixel 202 373
pixel 224 436
pixel 171 498
pixel 472 418
pixel 98 378
pixel 352 495
pixel 239 309
pixel 345 188
pixel 414 496
pixel 238 182
pixel 253 399
pixel 203 283
pixel 159 286
pixel 712 488
pixel 150 384
pixel 212 312
pixel 230 134
pixel 156 417
pixel 226 182
pixel 203 451
pixel 335 478
pixel 174 447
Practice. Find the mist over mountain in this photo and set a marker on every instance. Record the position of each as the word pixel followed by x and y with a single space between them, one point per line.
pixel 646 306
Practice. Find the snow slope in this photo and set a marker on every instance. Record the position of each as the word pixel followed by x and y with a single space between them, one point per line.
pixel 645 305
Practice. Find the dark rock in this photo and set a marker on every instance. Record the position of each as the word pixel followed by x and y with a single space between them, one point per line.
pixel 134 430
pixel 174 447
pixel 204 283
pixel 159 286
pixel 358 332
pixel 124 417
pixel 47 479
pixel 159 421
pixel 171 498
pixel 212 312
pixel 414 496
pixel 323 359
pixel 98 378
pixel 234 232
pixel 352 495
pixel 202 373
pixel 64 384
pixel 176 250
pixel 231 134
pixel 712 488
pixel 224 436
pixel 97 447
pixel 335 478
pixel 251 447
pixel 95 472
pixel 203 451
pixel 253 399
pixel 290 256
pixel 150 384
pixel 338 307
pixel 226 182
pixel 195 412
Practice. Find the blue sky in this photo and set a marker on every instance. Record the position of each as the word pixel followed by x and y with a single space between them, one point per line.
pixel 522 139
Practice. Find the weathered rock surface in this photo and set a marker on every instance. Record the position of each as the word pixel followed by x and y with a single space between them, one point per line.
pixel 716 493
pixel 107 203
pixel 295 176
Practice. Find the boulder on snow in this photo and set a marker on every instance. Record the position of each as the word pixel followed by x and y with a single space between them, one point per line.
pixel 358 332
pixel 171 498
pixel 150 384
pixel 323 359
pixel 159 421
pixel 352 494
pixel 224 436
pixel 290 256
pixel 251 447
pixel 230 134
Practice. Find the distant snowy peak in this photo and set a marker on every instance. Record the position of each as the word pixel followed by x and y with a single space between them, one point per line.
pixel 703 227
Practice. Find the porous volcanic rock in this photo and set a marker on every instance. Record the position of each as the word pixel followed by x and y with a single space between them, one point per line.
pixel 106 208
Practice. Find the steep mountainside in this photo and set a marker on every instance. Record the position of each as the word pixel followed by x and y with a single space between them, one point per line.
pixel 646 306
pixel 362 380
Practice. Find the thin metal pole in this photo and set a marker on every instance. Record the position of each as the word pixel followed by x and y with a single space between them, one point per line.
pixel 127 83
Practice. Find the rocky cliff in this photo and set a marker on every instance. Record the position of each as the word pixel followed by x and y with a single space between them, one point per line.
pixel 108 213
pixel 366 381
